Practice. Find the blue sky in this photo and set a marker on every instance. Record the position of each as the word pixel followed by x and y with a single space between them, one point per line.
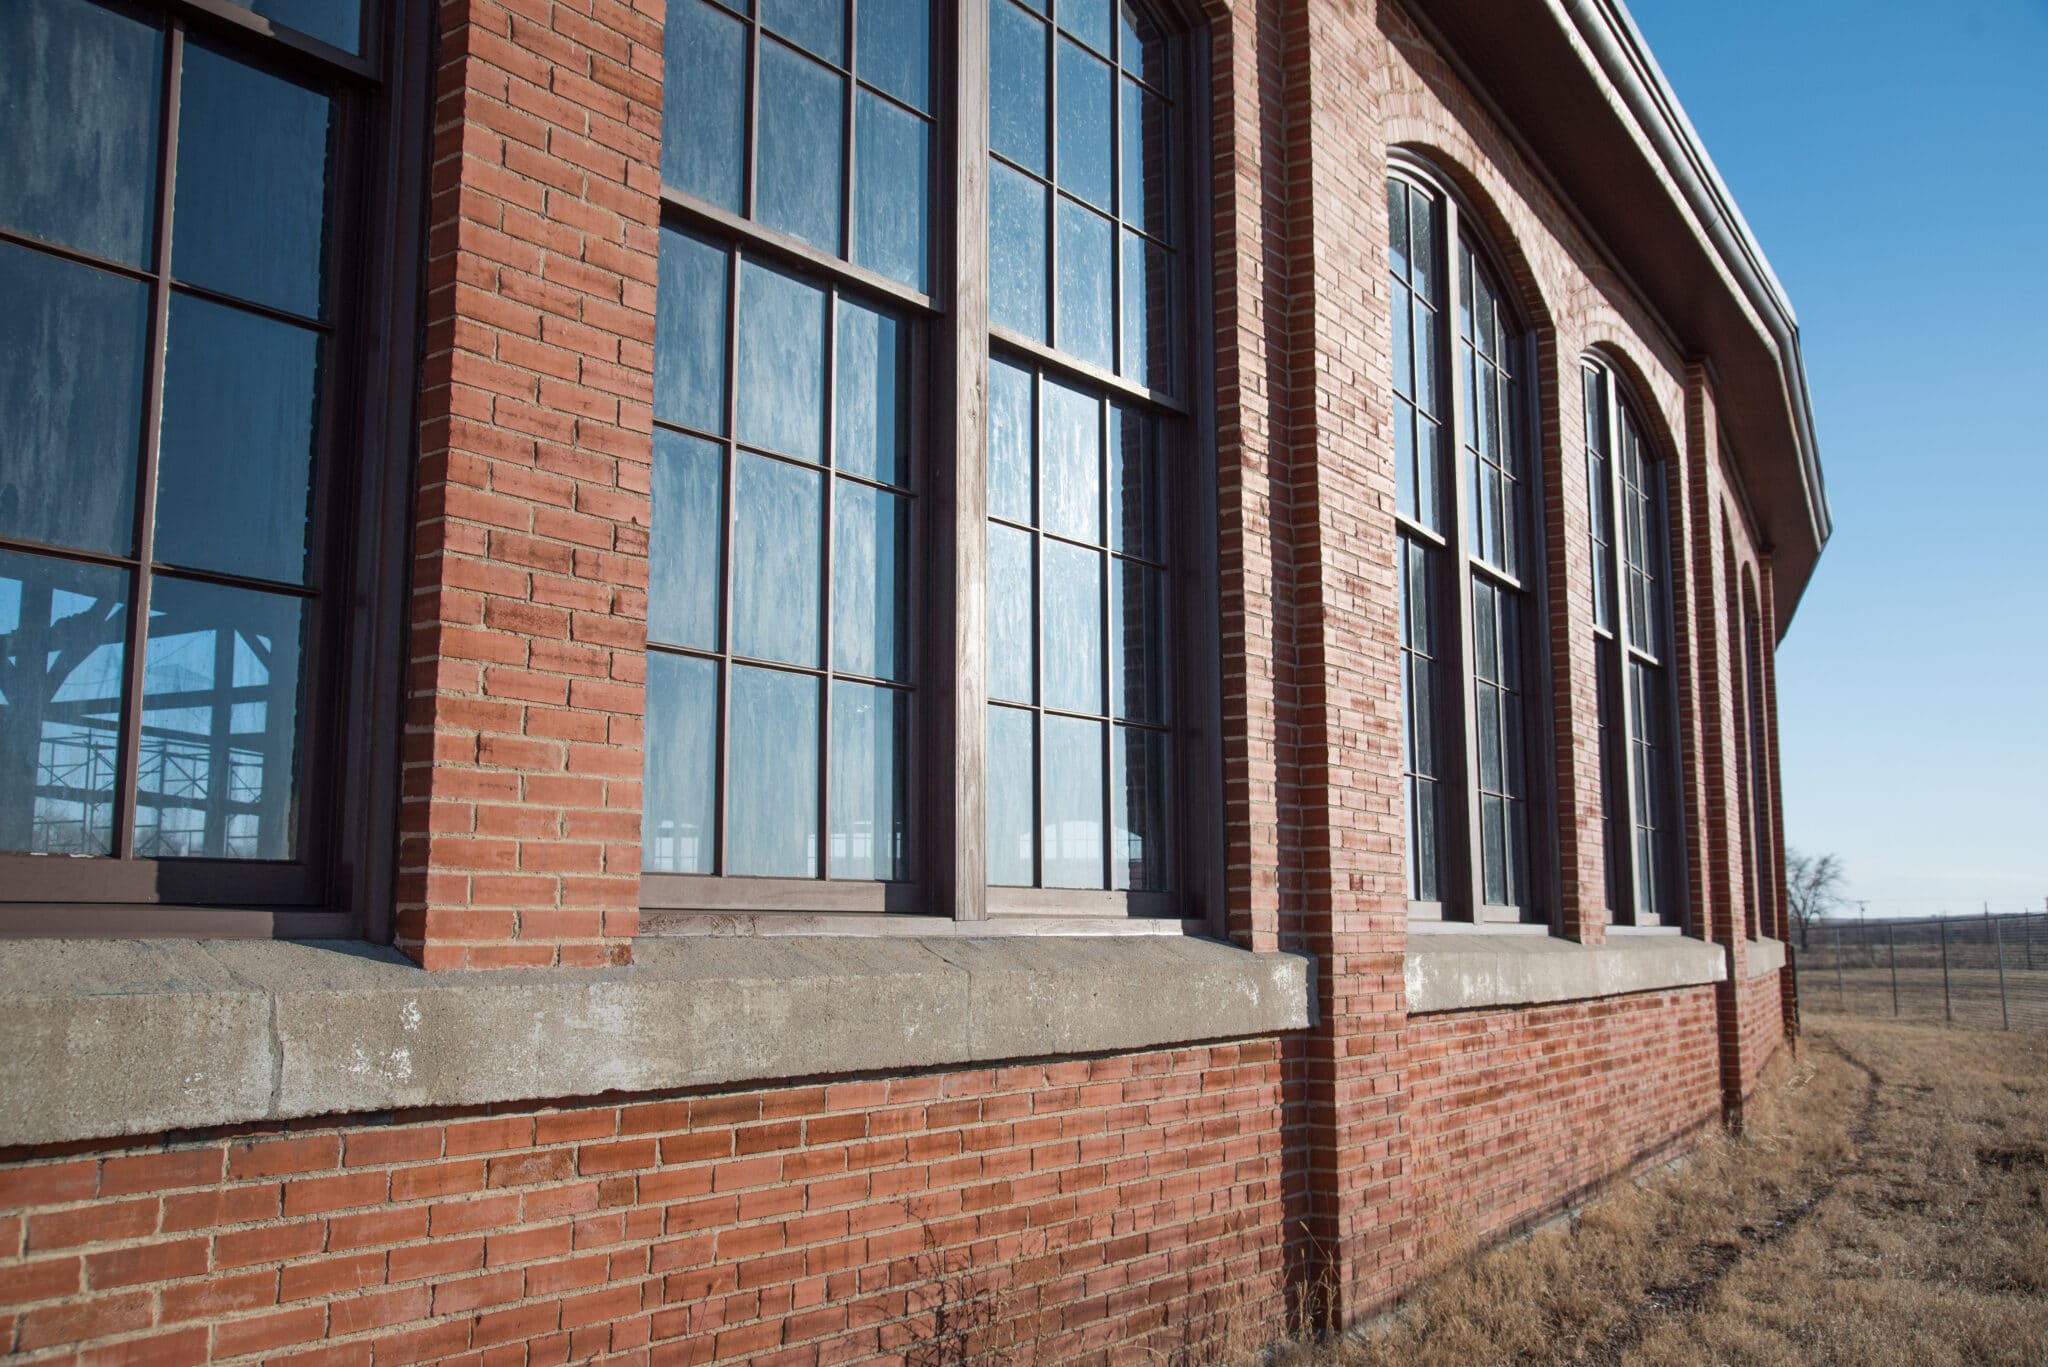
pixel 1893 160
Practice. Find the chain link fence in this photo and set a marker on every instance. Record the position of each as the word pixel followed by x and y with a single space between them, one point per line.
pixel 1989 971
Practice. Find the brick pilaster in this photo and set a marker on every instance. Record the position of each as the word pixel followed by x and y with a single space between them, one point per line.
pixel 521 808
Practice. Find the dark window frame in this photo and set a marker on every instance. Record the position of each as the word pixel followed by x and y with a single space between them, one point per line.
pixel 953 343
pixel 340 881
pixel 1454 707
pixel 1619 658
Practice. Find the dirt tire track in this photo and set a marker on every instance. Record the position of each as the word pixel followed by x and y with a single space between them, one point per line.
pixel 1714 1261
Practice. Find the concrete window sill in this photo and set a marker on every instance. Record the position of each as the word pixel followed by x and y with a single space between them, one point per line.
pixel 107 1038
pixel 1762 956
pixel 1449 971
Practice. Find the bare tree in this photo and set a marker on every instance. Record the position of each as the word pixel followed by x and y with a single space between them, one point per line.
pixel 1813 888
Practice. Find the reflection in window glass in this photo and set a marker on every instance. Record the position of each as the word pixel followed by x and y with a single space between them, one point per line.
pixel 703 140
pixel 236 444
pixel 218 773
pixel 800 558
pixel 63 639
pixel 1086 638
pixel 74 344
pixel 80 98
pixel 338 22
pixel 801 147
pixel 252 186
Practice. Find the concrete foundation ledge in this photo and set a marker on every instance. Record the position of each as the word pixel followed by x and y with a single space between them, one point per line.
pixel 1453 971
pixel 1763 956
pixel 99 1039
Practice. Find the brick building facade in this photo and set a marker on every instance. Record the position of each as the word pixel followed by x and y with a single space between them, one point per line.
pixel 1123 741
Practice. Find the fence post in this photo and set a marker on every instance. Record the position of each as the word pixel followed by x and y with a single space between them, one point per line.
pixel 1841 994
pixel 1892 943
pixel 1998 939
pixel 1947 1003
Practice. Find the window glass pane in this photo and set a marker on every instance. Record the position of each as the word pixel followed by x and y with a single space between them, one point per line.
pixel 63 651
pixel 1397 238
pixel 338 22
pixel 819 26
pixel 1087 20
pixel 870 582
pixel 1147 314
pixel 220 724
pixel 1070 611
pixel 772 775
pixel 891 190
pixel 1010 427
pixel 1147 162
pixel 1140 46
pixel 870 762
pixel 236 445
pixel 251 197
pixel 1429 500
pixel 678 828
pixel 1422 254
pixel 1016 85
pixel 871 410
pixel 1137 643
pixel 1137 486
pixel 1087 242
pixel 689 333
pixel 1085 134
pixel 1072 827
pixel 72 347
pixel 1012 643
pixel 1493 849
pixel 80 95
pixel 1070 464
pixel 1141 832
pixel 704 124
pixel 801 135
pixel 895 48
pixel 1012 787
pixel 781 363
pixel 1017 292
pixel 777 554
pixel 685 544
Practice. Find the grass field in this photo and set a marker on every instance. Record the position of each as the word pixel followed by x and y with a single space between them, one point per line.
pixel 1888 1205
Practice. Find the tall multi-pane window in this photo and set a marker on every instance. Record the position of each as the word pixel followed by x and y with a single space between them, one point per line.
pixel 1631 628
pixel 810 452
pixel 1762 828
pixel 1471 662
pixel 177 404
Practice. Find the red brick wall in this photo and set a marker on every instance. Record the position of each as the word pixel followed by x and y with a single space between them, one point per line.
pixel 521 807
pixel 1041 1212
pixel 1518 1113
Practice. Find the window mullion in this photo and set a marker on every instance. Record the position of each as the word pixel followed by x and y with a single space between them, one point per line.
pixel 957 652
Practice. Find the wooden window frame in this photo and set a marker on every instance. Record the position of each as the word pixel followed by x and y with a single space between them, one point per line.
pixel 953 341
pixel 1454 706
pixel 340 882
pixel 1615 652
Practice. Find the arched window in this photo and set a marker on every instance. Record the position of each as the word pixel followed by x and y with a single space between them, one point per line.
pixel 905 401
pixel 1467 509
pixel 1631 583
pixel 1763 829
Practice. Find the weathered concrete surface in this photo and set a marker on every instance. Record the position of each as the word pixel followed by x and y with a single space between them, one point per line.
pixel 1455 971
pixel 1763 956
pixel 109 1038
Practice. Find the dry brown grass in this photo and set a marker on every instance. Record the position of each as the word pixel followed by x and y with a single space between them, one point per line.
pixel 1889 1204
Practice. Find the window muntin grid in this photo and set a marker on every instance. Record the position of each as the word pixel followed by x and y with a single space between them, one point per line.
pixel 812 121
pixel 1079 729
pixel 1638 746
pixel 1466 672
pixel 1082 251
pixel 167 229
pixel 780 633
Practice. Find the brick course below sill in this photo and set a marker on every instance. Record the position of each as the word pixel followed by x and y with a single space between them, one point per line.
pixel 99 1039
